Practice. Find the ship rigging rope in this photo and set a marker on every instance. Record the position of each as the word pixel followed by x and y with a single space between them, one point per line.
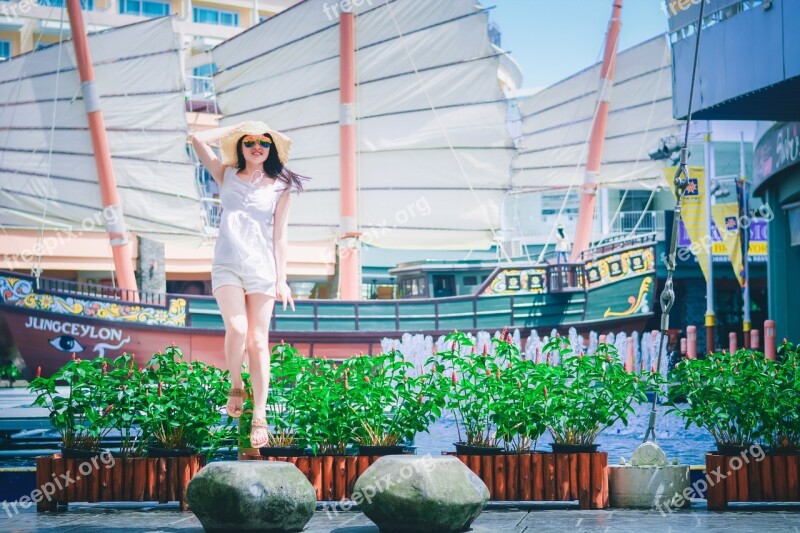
pixel 681 180
pixel 36 269
pixel 463 172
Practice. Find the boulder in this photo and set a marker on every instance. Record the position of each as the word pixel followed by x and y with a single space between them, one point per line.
pixel 409 493
pixel 251 496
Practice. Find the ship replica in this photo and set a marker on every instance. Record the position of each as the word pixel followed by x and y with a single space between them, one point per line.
pixel 427 118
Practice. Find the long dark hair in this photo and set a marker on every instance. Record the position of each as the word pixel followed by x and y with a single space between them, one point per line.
pixel 272 166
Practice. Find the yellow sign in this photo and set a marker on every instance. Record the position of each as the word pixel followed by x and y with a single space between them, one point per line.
pixel 694 214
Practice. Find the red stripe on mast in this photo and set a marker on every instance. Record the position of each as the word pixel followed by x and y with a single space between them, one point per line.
pixel 583 232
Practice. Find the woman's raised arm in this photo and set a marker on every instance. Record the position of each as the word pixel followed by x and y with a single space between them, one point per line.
pixel 200 142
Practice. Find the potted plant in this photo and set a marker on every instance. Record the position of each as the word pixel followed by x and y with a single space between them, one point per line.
pixel 521 418
pixel 81 417
pixel 390 404
pixel 473 394
pixel 125 392
pixel 729 394
pixel 321 415
pixel 588 394
pixel 180 406
pixel 781 416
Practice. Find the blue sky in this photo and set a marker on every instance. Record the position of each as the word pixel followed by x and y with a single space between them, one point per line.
pixel 552 39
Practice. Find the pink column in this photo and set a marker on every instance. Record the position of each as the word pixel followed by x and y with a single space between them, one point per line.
pixel 732 342
pixel 117 233
pixel 630 355
pixel 349 239
pixel 691 342
pixel 683 346
pixel 583 231
pixel 769 339
pixel 755 339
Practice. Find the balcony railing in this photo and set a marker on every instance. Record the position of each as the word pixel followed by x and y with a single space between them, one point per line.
pixel 200 94
pixel 638 222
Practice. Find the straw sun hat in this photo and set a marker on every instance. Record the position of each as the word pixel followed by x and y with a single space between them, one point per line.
pixel 281 142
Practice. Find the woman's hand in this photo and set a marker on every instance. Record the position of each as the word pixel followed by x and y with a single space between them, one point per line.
pixel 284 294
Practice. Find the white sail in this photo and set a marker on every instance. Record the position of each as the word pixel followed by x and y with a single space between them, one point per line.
pixel 48 177
pixel 415 191
pixel 556 124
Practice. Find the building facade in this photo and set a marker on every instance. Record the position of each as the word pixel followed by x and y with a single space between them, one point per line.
pixel 749 69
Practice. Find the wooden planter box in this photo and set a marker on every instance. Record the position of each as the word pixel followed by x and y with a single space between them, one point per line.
pixel 137 479
pixel 544 477
pixel 333 476
pixel 773 479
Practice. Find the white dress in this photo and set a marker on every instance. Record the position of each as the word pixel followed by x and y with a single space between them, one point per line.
pixel 245 247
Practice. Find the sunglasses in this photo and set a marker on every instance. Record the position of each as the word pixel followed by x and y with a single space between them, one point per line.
pixel 250 142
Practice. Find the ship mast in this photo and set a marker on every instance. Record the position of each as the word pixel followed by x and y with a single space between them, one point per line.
pixel 583 232
pixel 348 244
pixel 112 209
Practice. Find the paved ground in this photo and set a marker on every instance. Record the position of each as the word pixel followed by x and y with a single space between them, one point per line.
pixel 119 518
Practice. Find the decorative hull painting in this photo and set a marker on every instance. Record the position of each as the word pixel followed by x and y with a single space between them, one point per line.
pixel 48 341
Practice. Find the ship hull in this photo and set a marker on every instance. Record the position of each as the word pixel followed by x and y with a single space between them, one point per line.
pixel 51 319
pixel 39 337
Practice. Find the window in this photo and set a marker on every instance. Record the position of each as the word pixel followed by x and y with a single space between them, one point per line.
pixel 86 5
pixel 206 70
pixel 219 17
pixel 412 287
pixel 5 50
pixel 794 225
pixel 143 8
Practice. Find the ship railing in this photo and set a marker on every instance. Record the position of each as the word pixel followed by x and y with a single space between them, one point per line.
pixel 75 288
pixel 618 243
pixel 565 277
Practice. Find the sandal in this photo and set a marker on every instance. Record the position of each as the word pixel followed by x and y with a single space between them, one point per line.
pixel 236 410
pixel 259 423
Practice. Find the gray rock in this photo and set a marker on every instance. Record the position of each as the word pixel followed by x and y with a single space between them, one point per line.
pixel 251 496
pixel 408 493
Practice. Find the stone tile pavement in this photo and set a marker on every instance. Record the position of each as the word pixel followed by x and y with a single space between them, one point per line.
pixel 539 518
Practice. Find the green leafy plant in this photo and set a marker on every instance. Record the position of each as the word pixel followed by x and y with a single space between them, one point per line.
pixel 589 393
pixel 474 392
pixel 10 372
pixel 319 409
pixel 390 404
pixel 80 416
pixel 181 403
pixel 741 398
pixel 521 417
pixel 125 390
pixel 782 420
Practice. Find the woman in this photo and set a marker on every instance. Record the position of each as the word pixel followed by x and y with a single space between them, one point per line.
pixel 248 271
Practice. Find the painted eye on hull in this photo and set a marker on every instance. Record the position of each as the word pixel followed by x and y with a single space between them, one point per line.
pixel 67 343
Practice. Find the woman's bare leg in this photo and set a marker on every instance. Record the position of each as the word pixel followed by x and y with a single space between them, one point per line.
pixel 231 302
pixel 259 313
